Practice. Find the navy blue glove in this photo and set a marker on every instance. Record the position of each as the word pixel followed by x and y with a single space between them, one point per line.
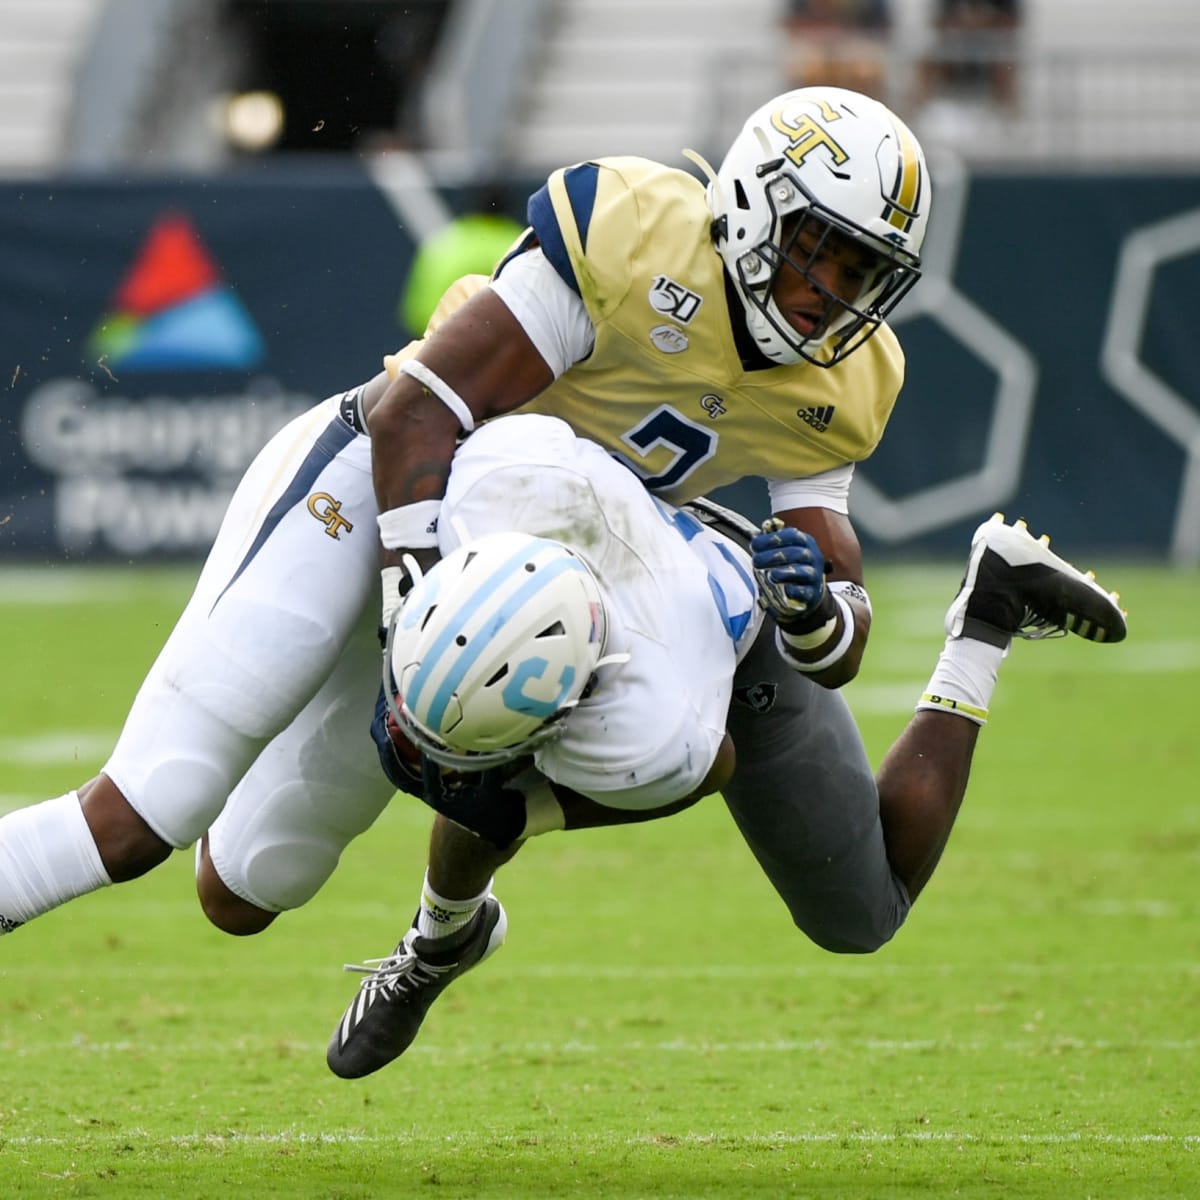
pixel 478 801
pixel 405 775
pixel 790 570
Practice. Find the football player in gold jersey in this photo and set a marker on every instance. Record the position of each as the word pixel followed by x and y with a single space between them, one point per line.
pixel 704 334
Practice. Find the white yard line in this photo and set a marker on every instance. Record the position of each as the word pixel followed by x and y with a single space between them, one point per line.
pixel 765 1140
pixel 675 1046
pixel 56 747
pixel 95 584
pixel 1184 971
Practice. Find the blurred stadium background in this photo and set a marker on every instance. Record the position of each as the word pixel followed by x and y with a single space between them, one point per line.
pixel 209 208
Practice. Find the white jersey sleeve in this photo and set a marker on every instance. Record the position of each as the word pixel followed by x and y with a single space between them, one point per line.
pixel 828 489
pixel 552 315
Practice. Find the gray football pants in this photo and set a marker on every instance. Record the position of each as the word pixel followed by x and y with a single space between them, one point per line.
pixel 804 797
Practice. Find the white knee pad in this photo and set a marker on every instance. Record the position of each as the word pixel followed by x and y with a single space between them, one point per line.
pixel 278 853
pixel 177 782
pixel 270 873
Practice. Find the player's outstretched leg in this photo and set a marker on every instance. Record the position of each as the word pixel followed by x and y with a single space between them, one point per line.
pixel 386 1014
pixel 1016 586
pixel 64 848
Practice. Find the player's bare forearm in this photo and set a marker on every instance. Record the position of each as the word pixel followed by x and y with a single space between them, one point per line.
pixel 413 436
pixel 839 543
pixel 412 443
pixel 478 364
pixel 846 668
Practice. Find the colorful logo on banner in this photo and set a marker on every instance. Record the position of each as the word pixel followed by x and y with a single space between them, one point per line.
pixel 173 313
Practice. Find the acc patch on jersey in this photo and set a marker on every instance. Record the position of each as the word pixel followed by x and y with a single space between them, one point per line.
pixel 669 339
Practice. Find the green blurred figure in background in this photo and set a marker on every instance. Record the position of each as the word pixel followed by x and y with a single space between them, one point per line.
pixel 471 244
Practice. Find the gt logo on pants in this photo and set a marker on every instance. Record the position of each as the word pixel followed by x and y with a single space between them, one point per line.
pixel 328 511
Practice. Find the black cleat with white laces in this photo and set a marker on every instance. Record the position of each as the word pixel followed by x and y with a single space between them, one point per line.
pixel 385 1016
pixel 1015 586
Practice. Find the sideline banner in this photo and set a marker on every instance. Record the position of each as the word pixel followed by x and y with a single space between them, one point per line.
pixel 155 333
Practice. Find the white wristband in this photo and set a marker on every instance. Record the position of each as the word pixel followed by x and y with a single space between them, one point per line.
pixel 434 383
pixel 852 591
pixel 812 668
pixel 413 526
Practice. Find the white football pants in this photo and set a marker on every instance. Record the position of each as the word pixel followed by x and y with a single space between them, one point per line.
pixel 253 721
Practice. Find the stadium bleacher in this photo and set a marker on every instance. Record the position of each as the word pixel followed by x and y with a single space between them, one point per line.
pixel 1095 84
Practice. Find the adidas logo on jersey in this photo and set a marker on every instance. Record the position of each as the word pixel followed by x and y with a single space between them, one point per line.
pixel 820 416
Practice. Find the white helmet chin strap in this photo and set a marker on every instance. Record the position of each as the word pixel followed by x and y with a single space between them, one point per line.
pixel 768 339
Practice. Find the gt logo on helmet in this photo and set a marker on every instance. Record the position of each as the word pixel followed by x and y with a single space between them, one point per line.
pixel 805 134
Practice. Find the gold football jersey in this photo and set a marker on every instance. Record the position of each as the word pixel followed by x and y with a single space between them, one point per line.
pixel 664 387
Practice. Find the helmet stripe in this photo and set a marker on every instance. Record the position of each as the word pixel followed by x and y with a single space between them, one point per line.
pixel 906 187
pixel 508 606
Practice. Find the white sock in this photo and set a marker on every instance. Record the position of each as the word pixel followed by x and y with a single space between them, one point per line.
pixel 439 917
pixel 47 857
pixel 963 679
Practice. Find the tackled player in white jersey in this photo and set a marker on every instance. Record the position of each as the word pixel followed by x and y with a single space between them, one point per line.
pixel 704 335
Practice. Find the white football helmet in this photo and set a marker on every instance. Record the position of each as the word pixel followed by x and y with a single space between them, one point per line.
pixel 852 171
pixel 492 648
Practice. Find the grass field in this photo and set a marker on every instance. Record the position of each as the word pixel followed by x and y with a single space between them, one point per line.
pixel 654 1027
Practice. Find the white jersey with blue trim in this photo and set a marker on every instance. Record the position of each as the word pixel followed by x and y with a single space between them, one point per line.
pixel 679 597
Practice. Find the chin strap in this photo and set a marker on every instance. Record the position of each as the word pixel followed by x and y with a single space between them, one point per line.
pixel 395 588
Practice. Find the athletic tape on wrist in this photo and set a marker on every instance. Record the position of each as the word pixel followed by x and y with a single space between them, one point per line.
pixel 839 651
pixel 812 639
pixel 437 386
pixel 413 526
pixel 960 708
